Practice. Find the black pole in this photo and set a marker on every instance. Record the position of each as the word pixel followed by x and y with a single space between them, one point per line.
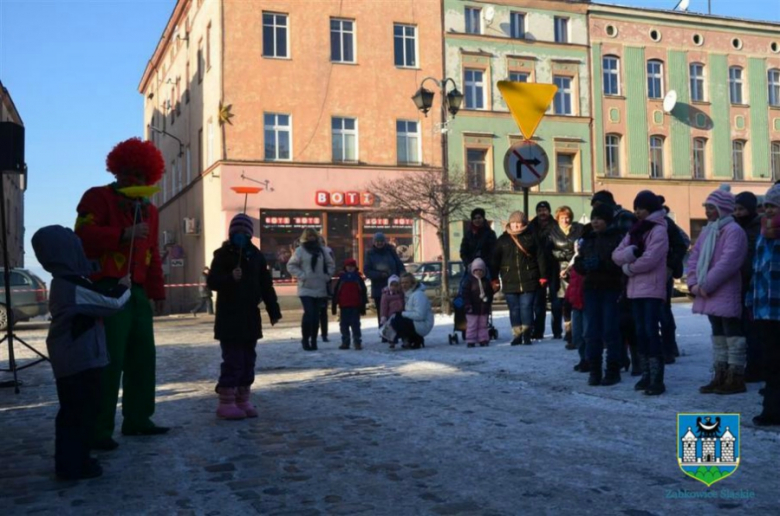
pixel 525 201
pixel 7 275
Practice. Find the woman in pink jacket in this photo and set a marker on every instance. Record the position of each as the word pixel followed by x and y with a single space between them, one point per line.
pixel 714 278
pixel 642 255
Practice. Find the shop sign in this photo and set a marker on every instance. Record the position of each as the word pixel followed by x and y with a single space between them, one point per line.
pixel 324 198
pixel 291 222
pixel 387 222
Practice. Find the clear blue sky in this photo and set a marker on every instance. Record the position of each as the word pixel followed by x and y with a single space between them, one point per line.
pixel 73 66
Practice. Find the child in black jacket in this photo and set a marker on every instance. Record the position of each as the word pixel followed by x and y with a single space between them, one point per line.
pixel 352 297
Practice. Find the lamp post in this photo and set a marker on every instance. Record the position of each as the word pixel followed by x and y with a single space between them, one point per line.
pixel 451 102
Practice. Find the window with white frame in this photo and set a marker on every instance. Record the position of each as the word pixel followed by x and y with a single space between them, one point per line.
pixel 656 156
pixel 518 76
pixel 775 155
pixel 275 35
pixel 517 25
pixel 611 72
pixel 476 169
pixel 405 45
pixel 408 142
pixel 699 158
pixel 696 72
pixel 738 160
pixel 209 143
pixel 735 85
pixel 562 104
pixel 278 136
pixel 345 139
pixel 655 79
pixel 473 20
pixel 612 154
pixel 773 79
pixel 564 173
pixel 561 29
pixel 342 41
pixel 475 89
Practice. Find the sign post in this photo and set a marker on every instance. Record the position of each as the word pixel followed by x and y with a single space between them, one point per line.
pixel 525 163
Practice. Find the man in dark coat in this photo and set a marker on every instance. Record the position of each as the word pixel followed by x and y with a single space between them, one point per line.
pixel 747 217
pixel 381 262
pixel 542 227
pixel 479 241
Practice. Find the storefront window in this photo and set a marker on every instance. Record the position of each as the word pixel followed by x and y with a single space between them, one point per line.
pixel 399 232
pixel 280 232
pixel 342 236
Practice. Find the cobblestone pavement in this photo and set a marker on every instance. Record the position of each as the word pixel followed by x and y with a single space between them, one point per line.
pixel 444 430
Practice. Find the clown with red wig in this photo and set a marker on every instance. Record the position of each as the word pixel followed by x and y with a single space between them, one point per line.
pixel 118 227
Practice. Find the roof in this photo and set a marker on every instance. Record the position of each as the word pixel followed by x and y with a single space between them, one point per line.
pixel 5 98
pixel 689 435
pixel 727 436
pixel 162 45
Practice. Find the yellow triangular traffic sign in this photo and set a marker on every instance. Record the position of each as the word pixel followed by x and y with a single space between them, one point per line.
pixel 527 102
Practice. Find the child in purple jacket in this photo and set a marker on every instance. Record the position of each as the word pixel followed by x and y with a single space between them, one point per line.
pixel 714 278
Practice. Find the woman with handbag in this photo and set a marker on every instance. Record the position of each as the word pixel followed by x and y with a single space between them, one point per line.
pixel 522 268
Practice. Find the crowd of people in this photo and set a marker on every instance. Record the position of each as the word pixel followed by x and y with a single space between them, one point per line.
pixel 608 284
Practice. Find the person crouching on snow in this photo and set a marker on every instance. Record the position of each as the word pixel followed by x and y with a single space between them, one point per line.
pixel 351 296
pixel 714 278
pixel 392 303
pixel 240 276
pixel 478 302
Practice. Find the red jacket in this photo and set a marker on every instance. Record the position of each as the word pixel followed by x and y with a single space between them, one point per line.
pixel 350 292
pixel 103 214
pixel 575 293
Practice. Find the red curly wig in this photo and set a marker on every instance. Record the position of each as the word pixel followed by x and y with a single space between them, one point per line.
pixel 136 157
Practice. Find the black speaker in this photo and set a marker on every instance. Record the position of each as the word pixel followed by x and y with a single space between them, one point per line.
pixel 11 148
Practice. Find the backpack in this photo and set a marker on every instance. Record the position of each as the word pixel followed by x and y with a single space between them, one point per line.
pixel 678 248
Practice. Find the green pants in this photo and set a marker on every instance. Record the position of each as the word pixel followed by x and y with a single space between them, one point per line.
pixel 132 356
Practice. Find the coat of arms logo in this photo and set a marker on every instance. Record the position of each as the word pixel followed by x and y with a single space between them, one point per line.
pixel 708 446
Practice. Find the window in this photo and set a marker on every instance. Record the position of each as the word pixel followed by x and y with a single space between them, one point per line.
pixel 187 78
pixel 656 156
pixel 562 102
pixel 699 158
pixel 735 84
pixel 201 64
pixel 517 25
pixel 188 156
pixel 200 151
pixel 612 148
pixel 277 137
pixel 518 76
pixel 655 79
pixel 208 47
pixel 775 161
pixel 696 71
pixel 564 173
pixel 342 41
pixel 476 160
pixel 344 139
pixel 405 42
pixel 408 142
pixel 774 87
pixel 473 19
pixel 475 89
pixel 738 160
pixel 561 29
pixel 611 66
pixel 209 143
pixel 275 35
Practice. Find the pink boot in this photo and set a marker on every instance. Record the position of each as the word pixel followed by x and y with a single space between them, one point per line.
pixel 243 403
pixel 227 404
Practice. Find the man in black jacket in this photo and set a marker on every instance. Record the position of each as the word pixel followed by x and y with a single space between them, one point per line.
pixel 542 226
pixel 746 215
pixel 479 241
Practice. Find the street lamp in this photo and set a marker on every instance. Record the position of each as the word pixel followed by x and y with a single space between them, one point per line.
pixel 451 102
pixel 423 99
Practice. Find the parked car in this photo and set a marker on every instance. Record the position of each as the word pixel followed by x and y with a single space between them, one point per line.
pixel 429 275
pixel 29 297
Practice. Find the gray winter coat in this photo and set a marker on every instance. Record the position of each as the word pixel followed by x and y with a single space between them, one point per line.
pixel 77 338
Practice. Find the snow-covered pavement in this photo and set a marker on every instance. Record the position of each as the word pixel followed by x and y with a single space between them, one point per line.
pixel 442 430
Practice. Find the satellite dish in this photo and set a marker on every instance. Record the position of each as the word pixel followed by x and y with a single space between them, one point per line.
pixel 490 13
pixel 670 100
pixel 682 5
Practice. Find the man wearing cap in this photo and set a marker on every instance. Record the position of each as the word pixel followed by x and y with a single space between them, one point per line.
pixel 542 226
pixel 746 215
pixel 381 262
pixel 479 241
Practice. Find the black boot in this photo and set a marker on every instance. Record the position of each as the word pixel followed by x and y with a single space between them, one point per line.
pixel 644 367
pixel 656 386
pixel 612 375
pixel 636 365
pixel 583 366
pixel 306 336
pixel 595 372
